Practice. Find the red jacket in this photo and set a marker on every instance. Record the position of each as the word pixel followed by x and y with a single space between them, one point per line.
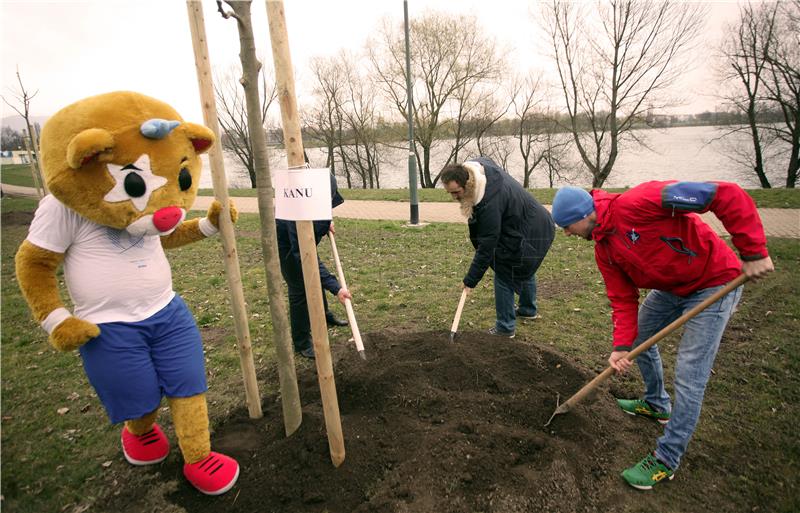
pixel 651 237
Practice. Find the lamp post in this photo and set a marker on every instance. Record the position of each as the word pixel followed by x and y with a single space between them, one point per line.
pixel 412 161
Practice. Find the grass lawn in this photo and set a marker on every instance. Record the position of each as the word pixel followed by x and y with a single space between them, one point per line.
pixel 60 453
pixel 16 174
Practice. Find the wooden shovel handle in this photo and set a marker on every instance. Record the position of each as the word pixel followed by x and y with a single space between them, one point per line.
pixel 457 318
pixel 647 344
pixel 348 305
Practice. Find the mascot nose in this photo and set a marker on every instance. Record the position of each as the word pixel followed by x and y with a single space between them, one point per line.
pixel 166 218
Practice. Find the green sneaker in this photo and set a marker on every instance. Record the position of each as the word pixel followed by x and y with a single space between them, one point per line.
pixel 645 474
pixel 643 408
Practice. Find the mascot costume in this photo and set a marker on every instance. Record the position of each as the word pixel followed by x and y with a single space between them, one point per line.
pixel 123 169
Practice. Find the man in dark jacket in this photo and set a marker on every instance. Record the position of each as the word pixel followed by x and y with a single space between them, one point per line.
pixel 651 237
pixel 292 270
pixel 511 233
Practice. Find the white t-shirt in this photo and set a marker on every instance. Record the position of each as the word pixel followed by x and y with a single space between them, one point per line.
pixel 111 275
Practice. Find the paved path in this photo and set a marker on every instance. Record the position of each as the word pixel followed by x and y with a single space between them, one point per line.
pixel 778 222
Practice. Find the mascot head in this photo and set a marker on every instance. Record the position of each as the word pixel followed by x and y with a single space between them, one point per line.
pixel 124 160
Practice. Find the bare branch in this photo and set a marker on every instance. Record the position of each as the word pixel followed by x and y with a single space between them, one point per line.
pixel 610 77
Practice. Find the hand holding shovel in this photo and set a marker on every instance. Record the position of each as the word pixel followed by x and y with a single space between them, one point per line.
pixel 457 318
pixel 348 305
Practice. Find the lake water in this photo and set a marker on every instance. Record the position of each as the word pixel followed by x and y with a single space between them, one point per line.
pixel 683 153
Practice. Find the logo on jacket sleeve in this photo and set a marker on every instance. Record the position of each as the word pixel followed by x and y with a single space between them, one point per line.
pixel 632 235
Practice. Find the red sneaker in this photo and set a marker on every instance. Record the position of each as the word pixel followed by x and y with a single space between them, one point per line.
pixel 213 475
pixel 147 449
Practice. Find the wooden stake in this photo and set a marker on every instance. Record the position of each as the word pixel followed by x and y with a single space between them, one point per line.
pixel 34 173
pixel 305 232
pixel 35 138
pixel 348 305
pixel 219 180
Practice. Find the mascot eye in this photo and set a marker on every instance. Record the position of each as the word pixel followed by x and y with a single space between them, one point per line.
pixel 185 179
pixel 134 185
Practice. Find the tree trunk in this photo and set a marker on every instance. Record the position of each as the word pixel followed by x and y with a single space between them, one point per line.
pixel 527 171
pixel 759 167
pixel 426 167
pixel 794 163
pixel 794 155
pixel 266 207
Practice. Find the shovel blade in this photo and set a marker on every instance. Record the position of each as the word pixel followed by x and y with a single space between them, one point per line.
pixel 452 336
pixel 560 408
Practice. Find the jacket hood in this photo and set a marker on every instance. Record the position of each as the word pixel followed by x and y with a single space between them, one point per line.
pixel 474 189
pixel 603 205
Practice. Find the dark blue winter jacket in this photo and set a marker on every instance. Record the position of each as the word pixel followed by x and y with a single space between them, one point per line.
pixel 510 230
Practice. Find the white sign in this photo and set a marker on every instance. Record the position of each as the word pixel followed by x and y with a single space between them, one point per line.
pixel 303 194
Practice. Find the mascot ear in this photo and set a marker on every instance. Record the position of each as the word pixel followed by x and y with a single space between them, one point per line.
pixel 202 138
pixel 91 143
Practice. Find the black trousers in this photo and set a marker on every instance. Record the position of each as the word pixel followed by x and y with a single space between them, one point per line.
pixel 292 272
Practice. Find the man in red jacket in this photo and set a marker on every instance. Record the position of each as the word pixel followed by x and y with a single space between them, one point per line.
pixel 651 237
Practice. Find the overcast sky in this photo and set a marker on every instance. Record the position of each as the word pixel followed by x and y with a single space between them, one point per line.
pixel 70 49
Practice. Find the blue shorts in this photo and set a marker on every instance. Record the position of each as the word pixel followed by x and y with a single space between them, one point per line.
pixel 132 365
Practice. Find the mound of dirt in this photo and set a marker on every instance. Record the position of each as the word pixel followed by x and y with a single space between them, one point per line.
pixel 432 426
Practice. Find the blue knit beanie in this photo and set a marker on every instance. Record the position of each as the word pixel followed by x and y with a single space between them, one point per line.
pixel 570 205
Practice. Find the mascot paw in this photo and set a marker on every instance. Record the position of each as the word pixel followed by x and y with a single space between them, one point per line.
pixel 215 209
pixel 72 334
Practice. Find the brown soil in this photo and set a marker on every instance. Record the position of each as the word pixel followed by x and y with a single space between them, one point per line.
pixel 16 218
pixel 432 426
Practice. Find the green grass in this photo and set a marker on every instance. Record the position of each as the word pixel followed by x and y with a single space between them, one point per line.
pixel 764 198
pixel 17 205
pixel 16 174
pixel 775 198
pixel 55 462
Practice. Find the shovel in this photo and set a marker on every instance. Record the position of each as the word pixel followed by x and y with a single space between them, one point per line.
pixel 644 346
pixel 348 305
pixel 457 318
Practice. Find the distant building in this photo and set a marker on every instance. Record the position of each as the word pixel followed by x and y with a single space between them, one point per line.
pixel 8 157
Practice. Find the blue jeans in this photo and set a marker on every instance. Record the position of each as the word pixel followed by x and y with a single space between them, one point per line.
pixel 696 353
pixel 504 301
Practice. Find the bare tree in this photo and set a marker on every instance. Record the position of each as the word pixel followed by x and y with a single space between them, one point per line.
pixel 266 208
pixel 744 66
pixel 782 83
pixel 525 99
pixel 556 155
pixel 489 109
pixel 498 148
pixel 325 120
pixel 451 57
pixel 11 139
pixel 614 64
pixel 536 130
pixel 232 109
pixel 361 115
pixel 345 116
pixel 23 108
